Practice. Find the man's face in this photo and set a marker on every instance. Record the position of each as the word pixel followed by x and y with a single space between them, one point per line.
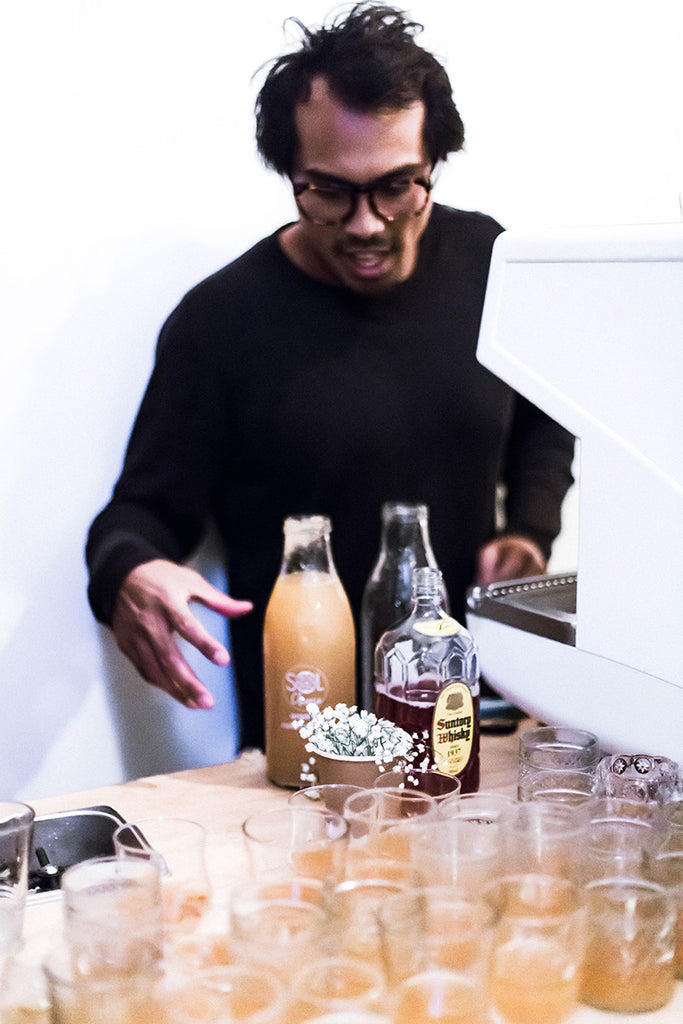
pixel 337 145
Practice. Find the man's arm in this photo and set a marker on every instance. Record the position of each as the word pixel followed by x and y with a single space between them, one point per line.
pixel 537 475
pixel 157 515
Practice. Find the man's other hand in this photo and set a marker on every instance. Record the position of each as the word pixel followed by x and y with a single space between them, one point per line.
pixel 152 609
pixel 509 558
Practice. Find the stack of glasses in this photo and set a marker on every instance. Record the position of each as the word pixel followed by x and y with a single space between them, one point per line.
pixel 394 904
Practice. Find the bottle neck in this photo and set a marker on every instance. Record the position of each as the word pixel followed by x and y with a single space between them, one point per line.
pixel 405 527
pixel 428 592
pixel 307 546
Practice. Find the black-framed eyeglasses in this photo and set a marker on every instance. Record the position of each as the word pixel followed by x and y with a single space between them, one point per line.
pixel 395 199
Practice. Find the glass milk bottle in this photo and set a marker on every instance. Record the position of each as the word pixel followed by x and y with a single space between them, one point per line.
pixel 309 648
pixel 427 681
pixel 388 595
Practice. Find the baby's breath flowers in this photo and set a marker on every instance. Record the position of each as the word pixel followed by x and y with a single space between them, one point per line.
pixel 348 732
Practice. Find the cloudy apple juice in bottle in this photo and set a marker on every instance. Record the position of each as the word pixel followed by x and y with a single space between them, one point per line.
pixel 309 649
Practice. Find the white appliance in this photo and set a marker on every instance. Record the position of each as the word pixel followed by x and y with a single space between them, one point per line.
pixel 588 324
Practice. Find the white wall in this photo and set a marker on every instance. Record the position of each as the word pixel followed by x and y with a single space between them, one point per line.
pixel 129 173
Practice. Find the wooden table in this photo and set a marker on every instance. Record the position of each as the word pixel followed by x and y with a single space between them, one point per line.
pixel 221 797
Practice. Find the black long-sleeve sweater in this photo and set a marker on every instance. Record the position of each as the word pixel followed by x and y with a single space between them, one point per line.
pixel 273 394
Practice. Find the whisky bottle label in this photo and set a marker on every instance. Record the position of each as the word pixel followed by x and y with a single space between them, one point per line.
pixel 445 626
pixel 453 729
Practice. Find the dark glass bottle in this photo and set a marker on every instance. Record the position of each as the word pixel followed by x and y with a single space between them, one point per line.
pixel 427 681
pixel 388 595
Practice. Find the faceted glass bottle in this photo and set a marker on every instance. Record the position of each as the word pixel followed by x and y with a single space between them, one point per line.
pixel 427 681
pixel 309 649
pixel 388 595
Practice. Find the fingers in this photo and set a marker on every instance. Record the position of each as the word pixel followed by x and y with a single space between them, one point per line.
pixel 152 610
pixel 217 601
pixel 186 625
pixel 161 664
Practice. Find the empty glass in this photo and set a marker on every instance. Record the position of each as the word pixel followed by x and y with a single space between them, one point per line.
pixel 557 784
pixel 637 777
pixel 555 749
pixel 16 820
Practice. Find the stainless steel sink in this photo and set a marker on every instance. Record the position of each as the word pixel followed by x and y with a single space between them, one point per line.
pixel 66 838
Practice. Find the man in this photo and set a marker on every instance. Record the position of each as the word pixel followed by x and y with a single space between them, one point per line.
pixel 329 369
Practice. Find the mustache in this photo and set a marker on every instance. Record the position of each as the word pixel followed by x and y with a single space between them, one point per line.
pixel 376 243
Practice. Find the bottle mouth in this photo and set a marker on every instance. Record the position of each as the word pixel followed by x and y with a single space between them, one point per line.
pixel 406 511
pixel 427 580
pixel 313 524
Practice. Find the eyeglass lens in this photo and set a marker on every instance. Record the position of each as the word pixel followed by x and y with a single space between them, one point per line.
pixel 335 204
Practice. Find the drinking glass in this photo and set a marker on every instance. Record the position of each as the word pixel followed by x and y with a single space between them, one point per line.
pixel 673 820
pixel 637 777
pixel 536 950
pixel 83 998
pixel 354 916
pixel 232 994
pixel 668 871
pixel 385 824
pixel 23 991
pixel 16 822
pixel 434 928
pixel 473 839
pixel 419 780
pixel 556 748
pixel 439 997
pixel 276 931
pixel 629 959
pixel 329 797
pixel 351 1017
pixel 622 838
pixel 332 984
pixel 545 837
pixel 558 785
pixel 310 842
pixel 178 847
pixel 112 914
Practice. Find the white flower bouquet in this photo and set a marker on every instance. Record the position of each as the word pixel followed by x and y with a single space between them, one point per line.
pixel 343 732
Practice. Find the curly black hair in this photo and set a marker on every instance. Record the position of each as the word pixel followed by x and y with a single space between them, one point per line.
pixel 371 61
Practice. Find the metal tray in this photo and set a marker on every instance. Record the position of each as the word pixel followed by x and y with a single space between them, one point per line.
pixel 544 605
pixel 65 838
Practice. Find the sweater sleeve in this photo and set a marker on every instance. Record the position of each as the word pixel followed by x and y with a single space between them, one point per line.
pixel 161 500
pixel 537 474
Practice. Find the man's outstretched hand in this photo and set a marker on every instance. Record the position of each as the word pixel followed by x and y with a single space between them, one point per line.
pixel 152 609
